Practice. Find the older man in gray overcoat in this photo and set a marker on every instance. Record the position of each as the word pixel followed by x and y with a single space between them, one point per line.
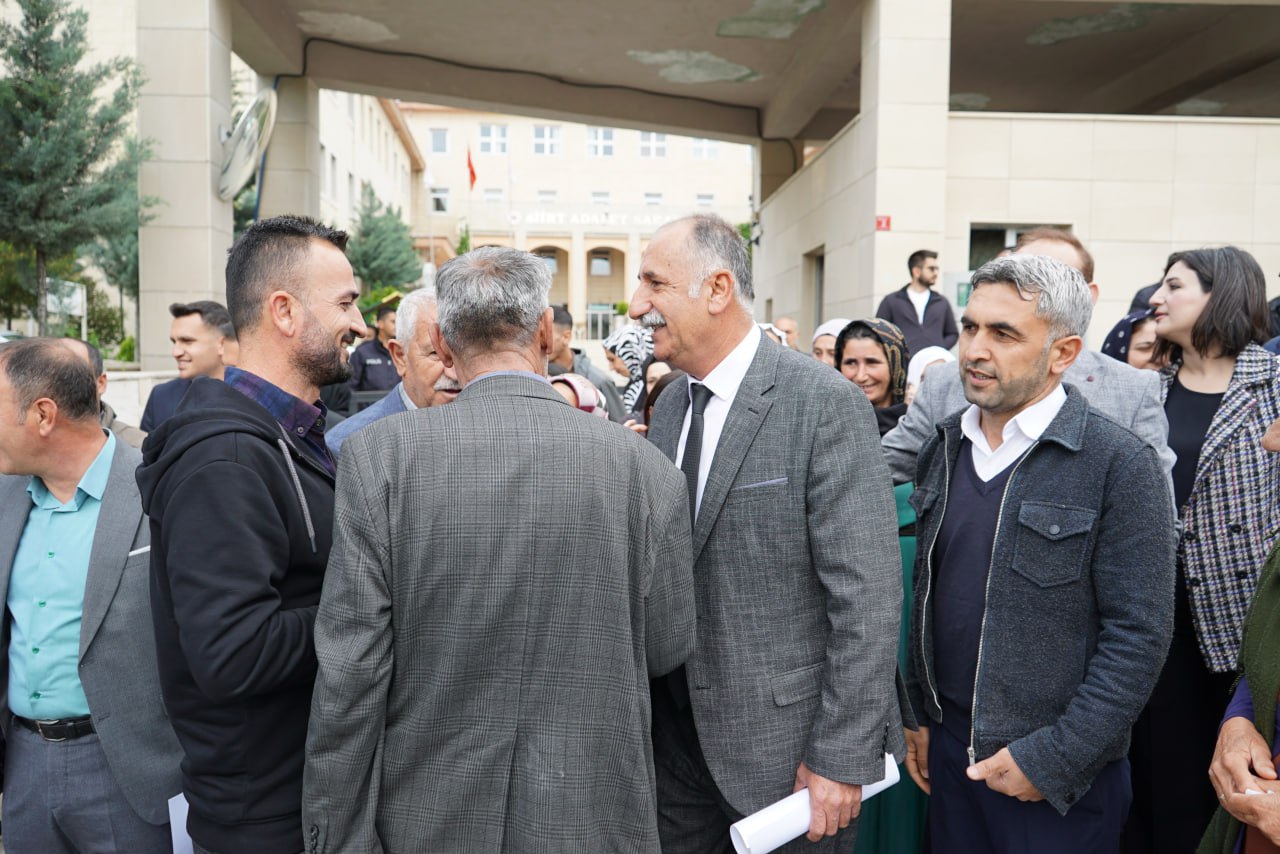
pixel 507 575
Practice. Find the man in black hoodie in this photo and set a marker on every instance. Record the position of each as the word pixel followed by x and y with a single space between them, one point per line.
pixel 239 488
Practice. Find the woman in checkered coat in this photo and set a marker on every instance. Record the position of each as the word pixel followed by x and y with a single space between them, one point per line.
pixel 1221 392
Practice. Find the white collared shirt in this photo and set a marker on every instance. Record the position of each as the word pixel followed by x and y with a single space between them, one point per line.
pixel 409 405
pixel 1020 433
pixel 723 381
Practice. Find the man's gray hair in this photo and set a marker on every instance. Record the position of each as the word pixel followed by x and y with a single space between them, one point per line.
pixel 717 245
pixel 407 313
pixel 491 295
pixel 1061 293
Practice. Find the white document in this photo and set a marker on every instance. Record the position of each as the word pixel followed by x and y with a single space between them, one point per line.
pixel 178 825
pixel 776 825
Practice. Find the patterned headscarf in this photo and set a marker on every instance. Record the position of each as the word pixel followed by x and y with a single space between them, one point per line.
pixel 895 352
pixel 633 345
pixel 1118 339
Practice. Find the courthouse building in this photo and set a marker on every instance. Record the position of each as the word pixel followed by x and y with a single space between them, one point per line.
pixel 878 127
pixel 585 198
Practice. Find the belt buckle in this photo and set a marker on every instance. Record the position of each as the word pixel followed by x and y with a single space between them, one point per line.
pixel 40 725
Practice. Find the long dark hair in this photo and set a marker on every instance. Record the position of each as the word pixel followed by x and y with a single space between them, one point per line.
pixel 1236 314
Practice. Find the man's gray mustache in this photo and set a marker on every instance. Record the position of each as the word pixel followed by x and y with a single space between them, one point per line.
pixel 652 318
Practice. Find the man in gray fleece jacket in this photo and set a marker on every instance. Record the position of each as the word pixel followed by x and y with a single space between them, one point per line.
pixel 1044 584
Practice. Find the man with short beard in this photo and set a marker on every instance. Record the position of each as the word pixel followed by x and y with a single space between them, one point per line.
pixel 239 486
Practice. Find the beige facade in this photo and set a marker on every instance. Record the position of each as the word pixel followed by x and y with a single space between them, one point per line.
pixel 587 198
pixel 1133 189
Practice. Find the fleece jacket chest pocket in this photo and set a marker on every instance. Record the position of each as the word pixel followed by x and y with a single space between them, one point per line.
pixel 1052 542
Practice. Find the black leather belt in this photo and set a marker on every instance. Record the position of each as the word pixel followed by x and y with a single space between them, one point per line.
pixel 64 729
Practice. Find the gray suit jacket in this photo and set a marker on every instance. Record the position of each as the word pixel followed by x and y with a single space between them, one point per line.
pixel 507 574
pixel 798 581
pixel 117 648
pixel 1122 393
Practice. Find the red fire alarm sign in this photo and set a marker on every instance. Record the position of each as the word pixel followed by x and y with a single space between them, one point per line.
pixel 884 223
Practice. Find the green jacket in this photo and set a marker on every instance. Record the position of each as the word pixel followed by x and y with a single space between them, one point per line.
pixel 1261 666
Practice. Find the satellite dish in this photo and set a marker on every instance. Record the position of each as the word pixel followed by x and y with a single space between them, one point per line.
pixel 244 148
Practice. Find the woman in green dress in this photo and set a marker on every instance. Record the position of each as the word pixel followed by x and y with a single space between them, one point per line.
pixel 873 355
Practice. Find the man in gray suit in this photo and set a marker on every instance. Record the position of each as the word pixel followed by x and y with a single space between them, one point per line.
pixel 797 575
pixel 92 760
pixel 507 575
pixel 1126 395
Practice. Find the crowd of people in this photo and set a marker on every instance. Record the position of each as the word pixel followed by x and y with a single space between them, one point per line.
pixel 463 590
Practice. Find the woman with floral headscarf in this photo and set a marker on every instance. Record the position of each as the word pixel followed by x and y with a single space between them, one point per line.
pixel 627 350
pixel 873 354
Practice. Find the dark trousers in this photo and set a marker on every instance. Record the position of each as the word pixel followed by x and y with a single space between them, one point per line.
pixel 966 817
pixel 1173 742
pixel 693 817
pixel 60 798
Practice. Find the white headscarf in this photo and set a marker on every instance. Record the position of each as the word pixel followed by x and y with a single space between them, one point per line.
pixel 831 327
pixel 921 360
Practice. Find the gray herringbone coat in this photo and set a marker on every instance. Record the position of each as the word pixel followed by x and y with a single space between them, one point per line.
pixel 798 579
pixel 507 574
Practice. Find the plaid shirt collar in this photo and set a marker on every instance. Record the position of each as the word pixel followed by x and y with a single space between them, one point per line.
pixel 301 420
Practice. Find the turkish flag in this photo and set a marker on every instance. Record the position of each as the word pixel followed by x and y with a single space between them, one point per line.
pixel 471 169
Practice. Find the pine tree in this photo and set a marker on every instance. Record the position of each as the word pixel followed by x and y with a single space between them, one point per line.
pixel 116 255
pixel 67 172
pixel 381 252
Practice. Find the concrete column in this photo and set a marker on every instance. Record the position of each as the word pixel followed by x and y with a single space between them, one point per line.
pixel 906 49
pixel 776 161
pixel 291 181
pixel 578 283
pixel 184 51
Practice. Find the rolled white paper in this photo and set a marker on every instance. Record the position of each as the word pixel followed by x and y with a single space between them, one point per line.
pixel 778 824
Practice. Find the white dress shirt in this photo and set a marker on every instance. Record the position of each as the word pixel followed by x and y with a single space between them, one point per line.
pixel 1020 433
pixel 723 381
pixel 919 300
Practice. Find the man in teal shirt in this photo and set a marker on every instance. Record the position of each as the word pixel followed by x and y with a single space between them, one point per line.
pixel 91 760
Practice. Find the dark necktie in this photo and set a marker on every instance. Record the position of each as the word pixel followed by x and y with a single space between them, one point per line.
pixel 693 446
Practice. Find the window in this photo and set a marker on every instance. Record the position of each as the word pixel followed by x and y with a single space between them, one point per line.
pixel 546 139
pixel 547 197
pixel 600 263
pixel 326 183
pixel 706 200
pixel 333 175
pixel 705 149
pixel 599 321
pixel 653 198
pixel 549 258
pixel 493 139
pixel 439 140
pixel 600 197
pixel 440 199
pixel 600 142
pixel 492 195
pixel 653 144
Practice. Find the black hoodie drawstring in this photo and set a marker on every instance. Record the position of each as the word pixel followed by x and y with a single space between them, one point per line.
pixel 297 484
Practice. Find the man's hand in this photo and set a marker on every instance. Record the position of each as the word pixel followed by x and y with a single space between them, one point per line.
pixel 918 756
pixel 633 424
pixel 1003 775
pixel 1260 811
pixel 1241 760
pixel 832 805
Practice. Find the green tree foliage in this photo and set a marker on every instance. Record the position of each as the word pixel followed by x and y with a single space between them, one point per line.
pixel 67 174
pixel 105 321
pixel 18 279
pixel 381 251
pixel 116 253
pixel 464 241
